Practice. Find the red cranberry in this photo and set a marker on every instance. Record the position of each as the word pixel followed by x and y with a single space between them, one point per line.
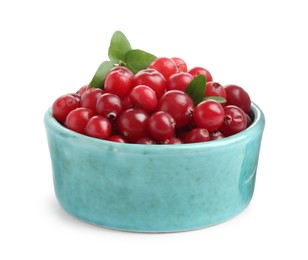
pixel 173 140
pixel 209 114
pixel 235 120
pixel 143 97
pixel 109 105
pixel 146 140
pixel 179 105
pixel 133 124
pixel 119 81
pixel 161 126
pixel 165 66
pixel 237 96
pixel 78 118
pixel 90 97
pixel 197 135
pixel 63 105
pixel 117 139
pixel 179 81
pixel 215 89
pixel 153 79
pixel 199 70
pixel 98 127
pixel 181 64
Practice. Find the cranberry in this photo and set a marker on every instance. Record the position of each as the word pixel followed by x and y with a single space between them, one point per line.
pixel 173 140
pixel 146 140
pixel 143 97
pixel 90 97
pixel 179 105
pixel 117 139
pixel 234 122
pixel 197 135
pixel 179 81
pixel 153 79
pixel 181 64
pixel 109 105
pixel 216 135
pixel 237 96
pixel 119 81
pixel 215 89
pixel 199 70
pixel 126 103
pixel 98 127
pixel 78 118
pixel 133 124
pixel 165 66
pixel 209 114
pixel 161 126
pixel 83 89
pixel 63 105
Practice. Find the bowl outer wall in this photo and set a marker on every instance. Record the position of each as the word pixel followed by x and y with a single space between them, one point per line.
pixel 154 188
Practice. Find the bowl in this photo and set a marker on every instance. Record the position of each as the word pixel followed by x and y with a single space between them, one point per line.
pixel 154 188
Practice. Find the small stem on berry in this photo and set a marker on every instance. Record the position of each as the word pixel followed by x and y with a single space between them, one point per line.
pixel 122 63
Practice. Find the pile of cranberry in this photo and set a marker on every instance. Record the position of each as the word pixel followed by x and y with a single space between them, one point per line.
pixel 152 107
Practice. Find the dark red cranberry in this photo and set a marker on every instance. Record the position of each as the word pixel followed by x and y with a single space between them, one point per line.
pixel 179 105
pixel 235 120
pixel 133 124
pixel 197 135
pixel 237 96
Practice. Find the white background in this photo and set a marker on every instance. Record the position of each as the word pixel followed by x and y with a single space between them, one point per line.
pixel 49 48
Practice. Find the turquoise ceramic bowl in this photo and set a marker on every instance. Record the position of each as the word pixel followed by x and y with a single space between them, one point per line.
pixel 154 188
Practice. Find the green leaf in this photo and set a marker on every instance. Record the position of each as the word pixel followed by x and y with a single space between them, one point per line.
pixel 217 98
pixel 196 89
pixel 99 77
pixel 137 60
pixel 119 45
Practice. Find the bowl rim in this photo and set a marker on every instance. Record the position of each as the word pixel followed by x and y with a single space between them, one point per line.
pixel 256 126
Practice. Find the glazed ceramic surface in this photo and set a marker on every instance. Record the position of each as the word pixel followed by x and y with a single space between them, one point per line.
pixel 154 188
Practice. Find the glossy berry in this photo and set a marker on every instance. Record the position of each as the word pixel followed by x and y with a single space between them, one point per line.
pixel 199 70
pixel 143 97
pixel 90 97
pixel 146 140
pixel 133 124
pixel 197 135
pixel 153 79
pixel 98 127
pixel 63 105
pixel 209 114
pixel 215 89
pixel 181 64
pixel 78 118
pixel 109 105
pixel 83 89
pixel 235 120
pixel 126 103
pixel 179 81
pixel 117 139
pixel 237 96
pixel 216 135
pixel 165 66
pixel 173 140
pixel 119 81
pixel 179 105
pixel 161 126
